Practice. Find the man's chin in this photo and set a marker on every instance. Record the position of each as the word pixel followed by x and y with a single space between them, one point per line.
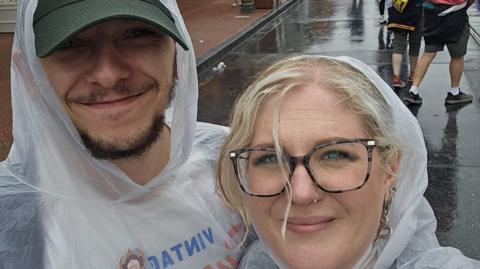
pixel 130 147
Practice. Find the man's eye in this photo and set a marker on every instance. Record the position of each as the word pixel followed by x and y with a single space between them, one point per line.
pixel 70 44
pixel 141 33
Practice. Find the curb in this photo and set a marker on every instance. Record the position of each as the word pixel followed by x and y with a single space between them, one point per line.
pixel 214 55
pixel 476 36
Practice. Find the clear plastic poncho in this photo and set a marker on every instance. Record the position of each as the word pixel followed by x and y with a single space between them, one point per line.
pixel 61 208
pixel 413 243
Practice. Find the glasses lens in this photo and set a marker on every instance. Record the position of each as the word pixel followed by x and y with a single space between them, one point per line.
pixel 260 172
pixel 341 166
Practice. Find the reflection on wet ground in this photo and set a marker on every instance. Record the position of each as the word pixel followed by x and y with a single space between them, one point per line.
pixel 350 27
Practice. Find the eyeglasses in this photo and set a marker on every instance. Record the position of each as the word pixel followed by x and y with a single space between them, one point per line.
pixel 337 166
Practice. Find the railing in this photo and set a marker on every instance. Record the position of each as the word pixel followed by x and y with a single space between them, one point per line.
pixel 7 15
pixel 8 2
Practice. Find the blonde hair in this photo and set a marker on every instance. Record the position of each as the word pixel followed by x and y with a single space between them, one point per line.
pixel 353 88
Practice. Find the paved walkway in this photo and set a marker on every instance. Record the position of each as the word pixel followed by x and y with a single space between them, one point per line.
pixel 350 27
pixel 474 14
pixel 211 22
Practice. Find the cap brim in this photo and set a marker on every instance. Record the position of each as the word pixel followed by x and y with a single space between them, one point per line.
pixel 61 24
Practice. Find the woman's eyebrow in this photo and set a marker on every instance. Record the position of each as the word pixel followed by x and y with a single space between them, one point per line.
pixel 262 145
pixel 331 139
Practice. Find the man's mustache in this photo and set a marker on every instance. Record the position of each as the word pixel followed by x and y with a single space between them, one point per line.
pixel 122 89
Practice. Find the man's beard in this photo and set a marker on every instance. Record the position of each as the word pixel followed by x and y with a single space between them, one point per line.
pixel 129 147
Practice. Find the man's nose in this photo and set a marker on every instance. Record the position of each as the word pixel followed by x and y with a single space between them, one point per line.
pixel 109 66
pixel 304 190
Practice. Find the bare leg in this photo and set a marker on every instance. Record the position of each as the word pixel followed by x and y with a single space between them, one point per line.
pixel 456 69
pixel 413 63
pixel 422 67
pixel 396 63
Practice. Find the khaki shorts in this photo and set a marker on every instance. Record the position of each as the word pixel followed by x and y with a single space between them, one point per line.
pixel 400 42
pixel 458 49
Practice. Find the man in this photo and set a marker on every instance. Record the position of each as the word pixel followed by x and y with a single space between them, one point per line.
pixel 108 168
pixel 446 24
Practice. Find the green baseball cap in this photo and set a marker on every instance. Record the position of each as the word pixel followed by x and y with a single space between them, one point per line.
pixel 55 21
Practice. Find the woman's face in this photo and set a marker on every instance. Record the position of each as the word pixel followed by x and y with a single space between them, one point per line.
pixel 335 231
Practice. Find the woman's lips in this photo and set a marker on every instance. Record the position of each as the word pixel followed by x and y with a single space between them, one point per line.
pixel 308 224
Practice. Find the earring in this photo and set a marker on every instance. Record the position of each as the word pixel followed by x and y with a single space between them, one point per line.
pixel 384 230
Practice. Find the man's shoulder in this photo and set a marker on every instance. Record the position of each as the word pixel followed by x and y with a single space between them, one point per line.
pixel 18 202
pixel 208 140
pixel 12 188
pixel 209 137
pixel 20 229
pixel 206 131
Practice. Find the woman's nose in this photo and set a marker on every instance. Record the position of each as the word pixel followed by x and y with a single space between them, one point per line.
pixel 304 190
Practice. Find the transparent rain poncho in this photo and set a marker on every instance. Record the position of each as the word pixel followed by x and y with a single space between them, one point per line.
pixel 413 243
pixel 61 208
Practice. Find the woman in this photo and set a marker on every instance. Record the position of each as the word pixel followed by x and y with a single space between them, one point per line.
pixel 330 169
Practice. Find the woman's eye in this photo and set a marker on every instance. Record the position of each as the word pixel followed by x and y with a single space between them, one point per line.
pixel 335 155
pixel 267 159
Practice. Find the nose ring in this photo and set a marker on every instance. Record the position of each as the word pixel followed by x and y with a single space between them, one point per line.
pixel 316 198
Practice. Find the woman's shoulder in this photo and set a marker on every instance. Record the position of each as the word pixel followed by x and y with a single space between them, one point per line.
pixel 438 258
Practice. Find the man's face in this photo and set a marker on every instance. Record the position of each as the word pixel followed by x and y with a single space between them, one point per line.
pixel 115 81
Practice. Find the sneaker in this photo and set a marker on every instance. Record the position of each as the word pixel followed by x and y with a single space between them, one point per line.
pixel 458 99
pixel 412 98
pixel 397 82
pixel 453 109
pixel 410 77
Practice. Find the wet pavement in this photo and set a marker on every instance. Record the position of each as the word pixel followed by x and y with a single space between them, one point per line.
pixel 204 30
pixel 350 27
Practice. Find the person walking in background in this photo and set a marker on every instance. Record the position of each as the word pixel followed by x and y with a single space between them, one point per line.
pixel 381 10
pixel 404 19
pixel 446 24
